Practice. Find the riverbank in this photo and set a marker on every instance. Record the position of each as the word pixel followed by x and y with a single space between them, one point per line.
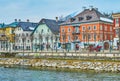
pixel 108 66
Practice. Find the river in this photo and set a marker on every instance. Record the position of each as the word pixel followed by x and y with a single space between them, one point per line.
pixel 20 74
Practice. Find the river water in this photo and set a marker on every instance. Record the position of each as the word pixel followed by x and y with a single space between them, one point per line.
pixel 20 74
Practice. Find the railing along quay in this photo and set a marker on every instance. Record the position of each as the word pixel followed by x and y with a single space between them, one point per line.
pixel 67 55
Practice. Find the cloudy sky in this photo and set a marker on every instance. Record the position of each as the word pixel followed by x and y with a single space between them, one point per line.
pixel 37 9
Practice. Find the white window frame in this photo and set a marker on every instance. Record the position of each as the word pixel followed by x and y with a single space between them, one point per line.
pixel 69 30
pixel 105 28
pixel 94 27
pixel 110 28
pixel 63 30
pixel 83 28
pixel 69 38
pixel 117 21
pixel 101 27
pixel 89 28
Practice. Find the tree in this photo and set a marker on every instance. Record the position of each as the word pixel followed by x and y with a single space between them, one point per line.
pixel 47 39
pixel 40 41
pixel 32 38
pixel 23 41
pixel 64 37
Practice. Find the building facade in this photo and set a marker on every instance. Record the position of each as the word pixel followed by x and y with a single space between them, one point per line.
pixel 23 39
pixel 88 27
pixel 46 35
pixel 116 24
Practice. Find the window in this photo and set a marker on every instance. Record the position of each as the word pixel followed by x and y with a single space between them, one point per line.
pixel 76 37
pixel 89 36
pixel 111 37
pixel 69 30
pixel 76 29
pixel 88 17
pixel 116 21
pixel 89 28
pixel 94 36
pixel 105 37
pixel 26 34
pixel 105 27
pixel 68 37
pixel 42 31
pixel 28 41
pixel 83 28
pixel 101 27
pixel 63 37
pixel 94 28
pixel 72 19
pixel 83 36
pixel 101 36
pixel 48 30
pixel 80 18
pixel 62 30
pixel 110 28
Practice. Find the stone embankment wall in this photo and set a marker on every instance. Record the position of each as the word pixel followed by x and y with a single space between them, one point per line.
pixel 72 64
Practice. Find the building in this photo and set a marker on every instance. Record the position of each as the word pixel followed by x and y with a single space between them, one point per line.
pixel 116 24
pixel 3 38
pixel 23 39
pixel 46 35
pixel 88 27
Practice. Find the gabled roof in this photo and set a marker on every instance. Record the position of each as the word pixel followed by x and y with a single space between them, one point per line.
pixel 93 15
pixel 27 26
pixel 53 25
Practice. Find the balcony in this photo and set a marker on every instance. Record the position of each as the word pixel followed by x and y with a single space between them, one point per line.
pixel 76 41
pixel 76 32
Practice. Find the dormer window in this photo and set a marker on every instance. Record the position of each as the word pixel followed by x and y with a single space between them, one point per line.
pixel 72 19
pixel 88 17
pixel 80 18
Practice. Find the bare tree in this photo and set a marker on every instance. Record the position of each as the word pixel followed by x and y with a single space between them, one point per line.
pixel 47 39
pixel 32 38
pixel 52 42
pixel 40 41
pixel 23 41
pixel 64 37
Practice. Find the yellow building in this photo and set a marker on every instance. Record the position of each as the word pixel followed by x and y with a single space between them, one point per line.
pixel 7 36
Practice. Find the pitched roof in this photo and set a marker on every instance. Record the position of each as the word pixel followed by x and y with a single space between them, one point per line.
pixel 88 15
pixel 52 24
pixel 27 26
pixel 14 24
pixel 2 25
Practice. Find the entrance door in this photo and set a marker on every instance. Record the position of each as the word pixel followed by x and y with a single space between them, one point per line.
pixel 106 45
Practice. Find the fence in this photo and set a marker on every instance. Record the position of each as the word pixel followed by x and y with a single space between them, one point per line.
pixel 66 55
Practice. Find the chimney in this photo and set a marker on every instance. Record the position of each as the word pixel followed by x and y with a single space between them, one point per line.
pixel 15 20
pixel 83 7
pixel 56 19
pixel 28 20
pixel 91 7
pixel 19 20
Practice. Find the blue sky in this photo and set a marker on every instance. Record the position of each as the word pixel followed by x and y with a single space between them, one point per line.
pixel 37 9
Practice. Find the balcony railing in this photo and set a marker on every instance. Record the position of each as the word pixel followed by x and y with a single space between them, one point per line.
pixel 76 40
pixel 76 32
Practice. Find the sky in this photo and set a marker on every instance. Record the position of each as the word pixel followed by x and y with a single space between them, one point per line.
pixel 35 10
